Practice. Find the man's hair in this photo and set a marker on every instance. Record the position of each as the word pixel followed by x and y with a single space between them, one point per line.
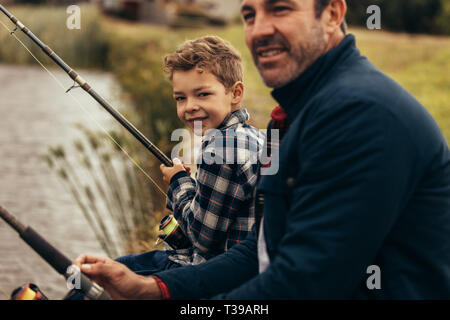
pixel 209 53
pixel 320 5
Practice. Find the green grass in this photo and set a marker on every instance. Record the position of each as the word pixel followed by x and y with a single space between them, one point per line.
pixel 134 53
pixel 85 48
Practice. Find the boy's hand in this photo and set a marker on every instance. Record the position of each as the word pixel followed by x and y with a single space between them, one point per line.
pixel 169 172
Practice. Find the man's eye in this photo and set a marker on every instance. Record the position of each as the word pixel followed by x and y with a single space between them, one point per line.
pixel 248 16
pixel 280 9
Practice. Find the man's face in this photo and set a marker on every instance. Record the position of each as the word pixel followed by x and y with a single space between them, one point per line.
pixel 284 37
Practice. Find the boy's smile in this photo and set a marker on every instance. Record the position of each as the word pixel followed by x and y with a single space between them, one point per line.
pixel 202 97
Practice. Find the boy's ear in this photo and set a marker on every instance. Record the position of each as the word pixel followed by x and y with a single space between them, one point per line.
pixel 237 93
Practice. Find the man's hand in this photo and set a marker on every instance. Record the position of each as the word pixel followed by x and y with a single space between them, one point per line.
pixel 169 172
pixel 119 281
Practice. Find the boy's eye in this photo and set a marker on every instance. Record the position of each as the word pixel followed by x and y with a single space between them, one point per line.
pixel 179 99
pixel 204 94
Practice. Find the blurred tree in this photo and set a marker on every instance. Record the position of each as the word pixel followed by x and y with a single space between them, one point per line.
pixel 50 2
pixel 32 1
pixel 413 16
pixel 443 20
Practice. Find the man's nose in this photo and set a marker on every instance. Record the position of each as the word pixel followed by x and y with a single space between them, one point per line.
pixel 262 27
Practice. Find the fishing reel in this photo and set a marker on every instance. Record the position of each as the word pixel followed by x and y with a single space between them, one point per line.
pixel 172 234
pixel 28 291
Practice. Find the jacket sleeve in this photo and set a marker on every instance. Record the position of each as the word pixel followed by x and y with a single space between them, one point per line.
pixel 354 177
pixel 217 275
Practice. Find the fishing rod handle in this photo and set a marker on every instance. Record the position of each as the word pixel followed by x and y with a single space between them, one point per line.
pixel 90 289
pixel 50 254
pixel 47 251
pixel 61 263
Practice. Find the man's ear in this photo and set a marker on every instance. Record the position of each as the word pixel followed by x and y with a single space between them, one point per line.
pixel 334 15
pixel 237 93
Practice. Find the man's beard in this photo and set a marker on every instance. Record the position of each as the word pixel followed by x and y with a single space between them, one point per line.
pixel 300 57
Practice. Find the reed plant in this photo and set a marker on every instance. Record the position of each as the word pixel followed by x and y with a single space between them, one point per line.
pixel 115 198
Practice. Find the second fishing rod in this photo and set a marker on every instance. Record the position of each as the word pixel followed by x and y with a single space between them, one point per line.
pixel 86 87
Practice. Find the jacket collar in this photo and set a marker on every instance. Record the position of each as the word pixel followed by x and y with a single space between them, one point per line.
pixel 295 94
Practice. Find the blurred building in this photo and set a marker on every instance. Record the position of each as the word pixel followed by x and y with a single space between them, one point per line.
pixel 224 9
pixel 172 11
pixel 43 2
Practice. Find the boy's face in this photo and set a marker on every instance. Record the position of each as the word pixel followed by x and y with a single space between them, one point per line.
pixel 202 97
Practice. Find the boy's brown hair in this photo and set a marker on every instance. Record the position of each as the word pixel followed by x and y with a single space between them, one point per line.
pixel 209 53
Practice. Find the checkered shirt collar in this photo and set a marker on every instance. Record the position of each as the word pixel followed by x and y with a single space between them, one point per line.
pixel 235 117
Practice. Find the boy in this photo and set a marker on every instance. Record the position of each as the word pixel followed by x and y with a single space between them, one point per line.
pixel 214 210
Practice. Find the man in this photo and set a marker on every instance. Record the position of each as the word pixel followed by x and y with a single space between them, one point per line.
pixel 364 180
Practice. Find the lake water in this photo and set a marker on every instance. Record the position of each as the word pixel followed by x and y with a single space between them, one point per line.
pixel 36 113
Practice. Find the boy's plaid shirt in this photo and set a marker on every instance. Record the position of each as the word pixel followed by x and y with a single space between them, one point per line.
pixel 216 210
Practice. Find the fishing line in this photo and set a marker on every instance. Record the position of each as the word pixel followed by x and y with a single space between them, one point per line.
pixel 86 87
pixel 85 110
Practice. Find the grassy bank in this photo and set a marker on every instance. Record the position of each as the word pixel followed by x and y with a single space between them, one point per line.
pixel 84 48
pixel 419 63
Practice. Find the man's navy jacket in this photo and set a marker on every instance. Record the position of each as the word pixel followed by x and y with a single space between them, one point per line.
pixel 364 180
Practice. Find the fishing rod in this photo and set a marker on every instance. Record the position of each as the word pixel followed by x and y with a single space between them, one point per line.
pixel 61 263
pixel 86 87
pixel 54 257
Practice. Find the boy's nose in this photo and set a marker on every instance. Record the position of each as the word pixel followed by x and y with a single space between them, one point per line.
pixel 191 107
